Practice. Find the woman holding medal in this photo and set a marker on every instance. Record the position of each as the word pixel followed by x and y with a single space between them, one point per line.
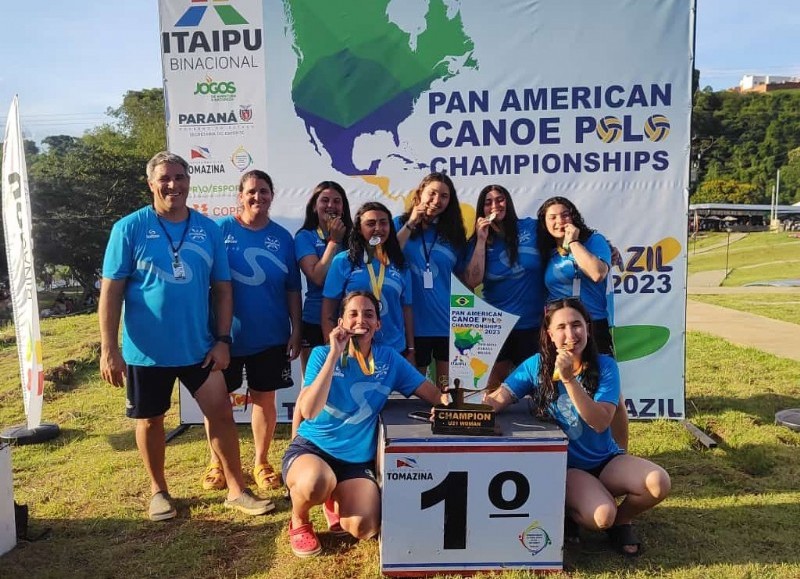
pixel 332 460
pixel 265 334
pixel 504 257
pixel 432 236
pixel 374 262
pixel 579 388
pixel 324 231
pixel 577 263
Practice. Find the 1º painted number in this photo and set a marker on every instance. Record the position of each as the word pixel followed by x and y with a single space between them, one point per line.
pixel 453 492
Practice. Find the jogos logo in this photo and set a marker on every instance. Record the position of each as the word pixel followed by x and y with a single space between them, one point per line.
pixel 186 41
pixel 218 91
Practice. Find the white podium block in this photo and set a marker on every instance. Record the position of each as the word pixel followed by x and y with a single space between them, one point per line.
pixel 8 529
pixel 462 504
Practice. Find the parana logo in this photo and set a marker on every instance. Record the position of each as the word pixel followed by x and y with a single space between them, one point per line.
pixel 183 41
pixel 217 91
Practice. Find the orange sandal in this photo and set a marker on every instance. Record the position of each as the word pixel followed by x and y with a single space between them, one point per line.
pixel 304 541
pixel 214 478
pixel 266 478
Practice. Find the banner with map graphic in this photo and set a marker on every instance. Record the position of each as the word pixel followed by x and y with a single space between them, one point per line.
pixel 587 100
pixel 477 332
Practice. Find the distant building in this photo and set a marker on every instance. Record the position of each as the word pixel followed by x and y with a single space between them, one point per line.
pixel 767 83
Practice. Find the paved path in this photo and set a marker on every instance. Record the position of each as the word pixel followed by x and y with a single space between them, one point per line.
pixel 772 336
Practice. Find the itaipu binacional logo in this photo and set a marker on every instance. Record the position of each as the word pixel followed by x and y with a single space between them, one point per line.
pixel 534 538
pixel 196 11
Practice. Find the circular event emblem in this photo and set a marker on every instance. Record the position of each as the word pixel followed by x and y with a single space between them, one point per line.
pixel 534 538
pixel 656 128
pixel 609 129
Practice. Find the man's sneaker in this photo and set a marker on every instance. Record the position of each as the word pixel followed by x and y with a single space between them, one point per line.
pixel 162 507
pixel 250 504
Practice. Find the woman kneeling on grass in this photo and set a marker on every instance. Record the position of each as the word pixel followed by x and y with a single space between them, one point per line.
pixel 332 459
pixel 578 388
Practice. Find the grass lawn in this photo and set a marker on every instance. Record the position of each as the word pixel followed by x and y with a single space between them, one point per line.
pixel 757 257
pixel 733 511
pixel 785 307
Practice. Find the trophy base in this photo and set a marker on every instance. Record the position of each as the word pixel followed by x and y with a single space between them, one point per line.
pixel 465 419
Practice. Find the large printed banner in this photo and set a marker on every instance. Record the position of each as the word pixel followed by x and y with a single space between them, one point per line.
pixel 588 100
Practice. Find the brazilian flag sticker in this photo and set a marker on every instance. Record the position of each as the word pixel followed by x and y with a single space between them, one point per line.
pixel 462 301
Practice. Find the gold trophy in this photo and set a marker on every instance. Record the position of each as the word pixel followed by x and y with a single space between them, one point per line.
pixel 464 418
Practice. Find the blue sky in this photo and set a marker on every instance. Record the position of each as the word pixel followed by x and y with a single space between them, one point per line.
pixel 69 60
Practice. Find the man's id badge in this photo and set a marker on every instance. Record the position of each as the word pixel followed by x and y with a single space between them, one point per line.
pixel 178 271
pixel 427 279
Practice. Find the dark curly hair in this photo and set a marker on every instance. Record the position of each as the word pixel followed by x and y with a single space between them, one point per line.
pixel 450 225
pixel 547 393
pixel 312 219
pixel 544 240
pixel 356 244
pixel 510 233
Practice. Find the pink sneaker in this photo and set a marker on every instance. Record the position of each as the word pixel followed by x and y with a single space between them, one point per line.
pixel 334 527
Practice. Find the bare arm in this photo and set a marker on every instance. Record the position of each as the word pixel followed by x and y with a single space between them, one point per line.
pixel 222 301
pixel 499 398
pixel 473 274
pixel 312 399
pixel 414 220
pixel 316 268
pixel 112 366
pixel 296 318
pixel 597 415
pixel 431 394
pixel 593 267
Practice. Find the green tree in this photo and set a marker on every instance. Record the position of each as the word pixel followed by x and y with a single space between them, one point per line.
pixel 141 119
pixel 727 191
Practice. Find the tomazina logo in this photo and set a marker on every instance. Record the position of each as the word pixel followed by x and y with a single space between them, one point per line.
pixel 194 14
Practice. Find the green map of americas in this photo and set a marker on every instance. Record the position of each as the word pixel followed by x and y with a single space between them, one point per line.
pixel 359 72
pixel 465 340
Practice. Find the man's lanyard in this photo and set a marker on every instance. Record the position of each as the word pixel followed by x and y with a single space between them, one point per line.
pixel 175 250
pixel 376 282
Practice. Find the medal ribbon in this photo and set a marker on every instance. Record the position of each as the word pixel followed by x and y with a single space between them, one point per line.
pixel 367 370
pixel 376 282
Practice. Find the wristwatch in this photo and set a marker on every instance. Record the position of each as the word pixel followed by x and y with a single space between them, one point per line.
pixel 224 339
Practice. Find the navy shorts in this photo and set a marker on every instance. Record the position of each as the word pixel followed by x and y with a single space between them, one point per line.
pixel 149 388
pixel 312 335
pixel 341 469
pixel 519 346
pixel 266 371
pixel 426 347
pixel 595 471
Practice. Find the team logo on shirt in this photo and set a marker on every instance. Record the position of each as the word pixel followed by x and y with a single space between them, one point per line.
pixel 272 243
pixel 197 234
pixel 230 239
pixel 393 273
pixel 381 370
pixel 152 234
pixel 337 372
pixel 524 236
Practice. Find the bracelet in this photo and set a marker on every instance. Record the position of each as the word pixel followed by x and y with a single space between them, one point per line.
pixel 573 241
pixel 410 227
pixel 410 349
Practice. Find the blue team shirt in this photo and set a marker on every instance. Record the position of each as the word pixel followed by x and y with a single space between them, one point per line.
pixel 263 270
pixel 587 448
pixel 564 278
pixel 165 320
pixel 344 277
pixel 518 289
pixel 347 427
pixel 308 242
pixel 431 307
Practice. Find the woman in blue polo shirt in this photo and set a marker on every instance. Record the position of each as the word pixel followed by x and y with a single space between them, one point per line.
pixel 432 236
pixel 579 388
pixel 332 459
pixel 374 262
pixel 503 256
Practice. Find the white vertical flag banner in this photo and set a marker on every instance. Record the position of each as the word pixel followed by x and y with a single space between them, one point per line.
pixel 22 279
